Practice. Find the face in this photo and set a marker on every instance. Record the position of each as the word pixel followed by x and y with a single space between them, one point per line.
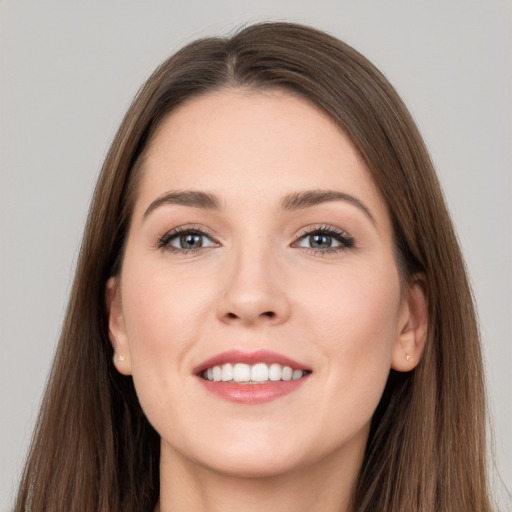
pixel 259 307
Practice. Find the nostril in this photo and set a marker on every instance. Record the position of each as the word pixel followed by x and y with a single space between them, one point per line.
pixel 266 314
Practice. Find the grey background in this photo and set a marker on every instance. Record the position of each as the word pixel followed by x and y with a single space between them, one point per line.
pixel 68 71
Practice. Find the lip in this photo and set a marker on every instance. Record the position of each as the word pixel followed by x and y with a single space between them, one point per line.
pixel 258 356
pixel 251 394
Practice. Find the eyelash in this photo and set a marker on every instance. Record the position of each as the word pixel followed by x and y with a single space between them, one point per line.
pixel 346 241
pixel 164 241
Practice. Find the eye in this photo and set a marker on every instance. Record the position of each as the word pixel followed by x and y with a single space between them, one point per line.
pixel 186 240
pixel 325 239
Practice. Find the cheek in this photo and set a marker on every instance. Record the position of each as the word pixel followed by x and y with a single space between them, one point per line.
pixel 164 318
pixel 164 313
pixel 356 309
pixel 355 319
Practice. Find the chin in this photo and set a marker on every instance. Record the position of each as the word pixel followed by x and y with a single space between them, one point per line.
pixel 253 455
pixel 253 465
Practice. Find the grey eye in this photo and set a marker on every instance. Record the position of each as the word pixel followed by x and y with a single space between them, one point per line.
pixel 190 240
pixel 319 241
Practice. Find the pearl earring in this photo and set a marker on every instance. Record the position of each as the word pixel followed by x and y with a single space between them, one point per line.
pixel 118 358
pixel 408 357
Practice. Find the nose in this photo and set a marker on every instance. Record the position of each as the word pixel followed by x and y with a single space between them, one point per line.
pixel 254 290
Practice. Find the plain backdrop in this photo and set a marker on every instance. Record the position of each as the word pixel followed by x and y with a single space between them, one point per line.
pixel 68 71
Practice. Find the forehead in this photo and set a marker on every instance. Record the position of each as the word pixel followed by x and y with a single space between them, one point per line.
pixel 253 144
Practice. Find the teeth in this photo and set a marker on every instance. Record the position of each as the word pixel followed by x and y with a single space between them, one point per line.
pixel 242 372
pixel 227 372
pixel 275 371
pixel 217 373
pixel 287 373
pixel 259 372
pixel 246 374
pixel 297 374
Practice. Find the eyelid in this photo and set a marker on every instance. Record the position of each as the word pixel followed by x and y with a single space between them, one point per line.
pixel 347 241
pixel 163 241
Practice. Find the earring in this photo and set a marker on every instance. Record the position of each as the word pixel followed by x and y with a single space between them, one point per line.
pixel 118 358
pixel 408 357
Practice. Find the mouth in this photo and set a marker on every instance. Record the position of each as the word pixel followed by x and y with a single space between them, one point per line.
pixel 259 373
pixel 251 378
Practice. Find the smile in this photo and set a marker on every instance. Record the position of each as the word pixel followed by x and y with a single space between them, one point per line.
pixel 251 378
pixel 258 373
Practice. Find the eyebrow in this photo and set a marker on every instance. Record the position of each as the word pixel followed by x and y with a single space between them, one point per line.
pixel 290 202
pixel 194 198
pixel 308 198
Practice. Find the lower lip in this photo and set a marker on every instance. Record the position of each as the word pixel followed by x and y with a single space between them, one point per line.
pixel 252 393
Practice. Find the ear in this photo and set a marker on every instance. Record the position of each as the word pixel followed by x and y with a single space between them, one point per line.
pixel 412 327
pixel 116 327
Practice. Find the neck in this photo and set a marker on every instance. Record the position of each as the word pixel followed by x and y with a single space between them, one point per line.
pixel 326 486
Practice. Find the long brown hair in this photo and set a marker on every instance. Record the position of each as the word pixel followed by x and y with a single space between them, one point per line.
pixel 94 450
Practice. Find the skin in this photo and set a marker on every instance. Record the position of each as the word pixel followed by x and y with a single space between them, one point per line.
pixel 258 284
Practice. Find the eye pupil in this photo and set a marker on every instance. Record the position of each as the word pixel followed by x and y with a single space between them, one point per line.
pixel 319 241
pixel 191 241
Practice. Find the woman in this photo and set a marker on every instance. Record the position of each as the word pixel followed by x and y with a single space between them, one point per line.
pixel 270 308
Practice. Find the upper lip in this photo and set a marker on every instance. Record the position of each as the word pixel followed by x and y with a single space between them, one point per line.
pixel 257 356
